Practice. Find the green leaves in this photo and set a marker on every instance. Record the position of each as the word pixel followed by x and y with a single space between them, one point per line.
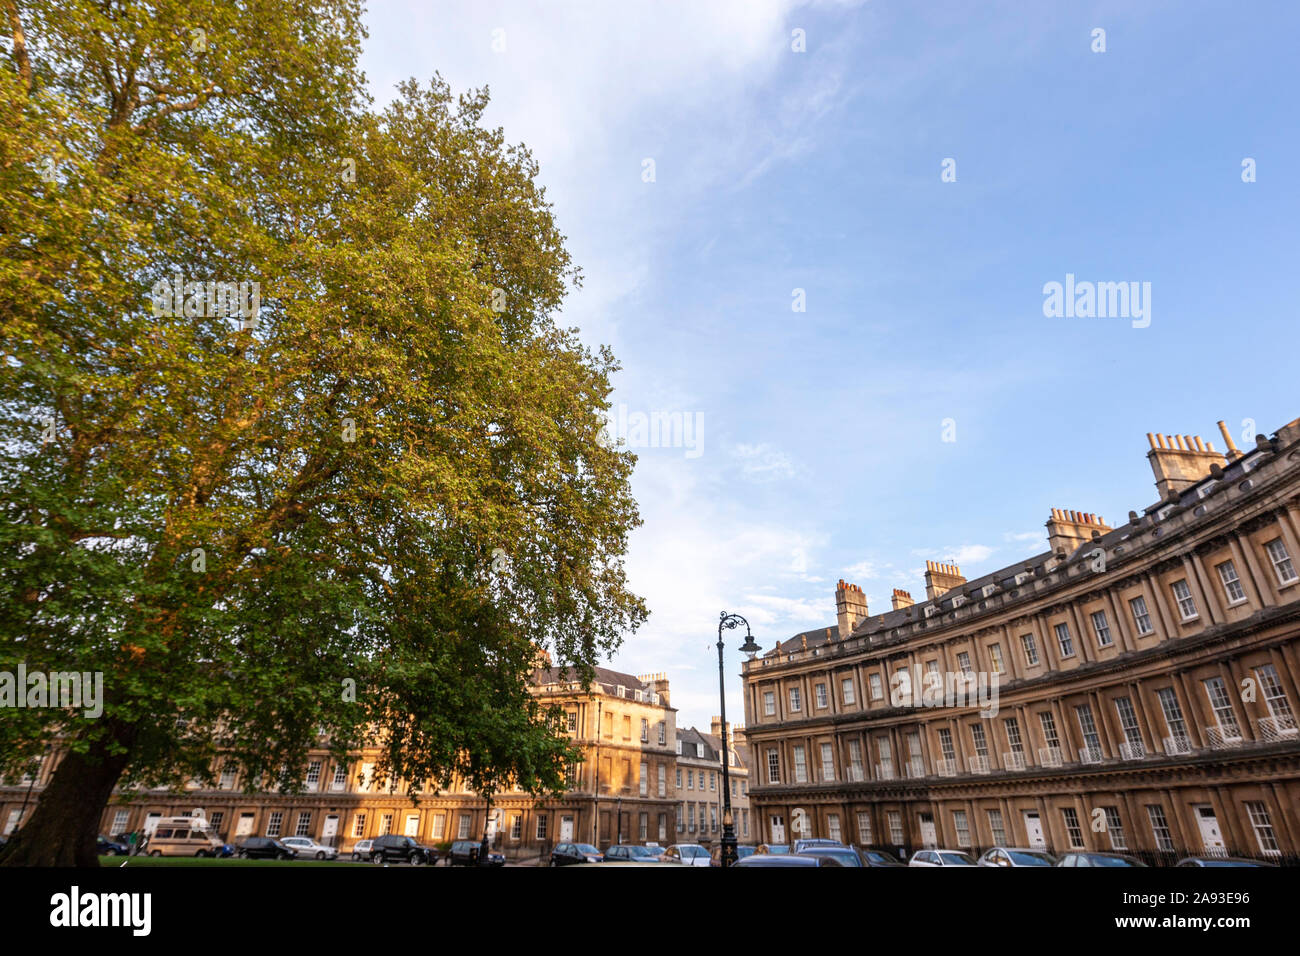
pixel 412 299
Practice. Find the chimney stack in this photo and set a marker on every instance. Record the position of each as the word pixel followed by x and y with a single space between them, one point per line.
pixel 1232 454
pixel 658 683
pixel 1066 530
pixel 901 599
pixel 941 578
pixel 850 607
pixel 1180 461
pixel 715 727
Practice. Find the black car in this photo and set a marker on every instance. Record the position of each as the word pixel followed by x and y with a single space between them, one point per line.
pixel 1222 861
pixel 567 854
pixel 466 853
pixel 788 859
pixel 843 855
pixel 1098 859
pixel 106 847
pixel 630 853
pixel 401 849
pixel 878 858
pixel 266 848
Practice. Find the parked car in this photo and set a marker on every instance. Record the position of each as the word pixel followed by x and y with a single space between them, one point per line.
pixel 1221 861
pixel 940 858
pixel 801 845
pixel 466 853
pixel 763 848
pixel 392 848
pixel 687 854
pixel 308 847
pixel 568 854
pixel 1016 856
pixel 1098 859
pixel 361 850
pixel 715 855
pixel 627 853
pixel 265 848
pixel 843 855
pixel 878 857
pixel 788 859
pixel 106 847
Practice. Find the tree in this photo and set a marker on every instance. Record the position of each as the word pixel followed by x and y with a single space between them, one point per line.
pixel 286 412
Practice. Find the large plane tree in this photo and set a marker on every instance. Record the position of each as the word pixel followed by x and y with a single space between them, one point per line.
pixel 292 449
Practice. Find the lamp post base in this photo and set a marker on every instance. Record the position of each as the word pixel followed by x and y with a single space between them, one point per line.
pixel 729 845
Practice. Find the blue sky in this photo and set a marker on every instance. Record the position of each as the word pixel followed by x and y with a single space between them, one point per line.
pixel 821 452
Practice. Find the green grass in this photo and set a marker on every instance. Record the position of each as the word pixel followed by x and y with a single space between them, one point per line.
pixel 132 861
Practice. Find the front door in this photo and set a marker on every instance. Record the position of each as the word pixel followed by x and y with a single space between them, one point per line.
pixel 412 825
pixel 1211 836
pixel 928 836
pixel 151 822
pixel 566 829
pixel 778 828
pixel 1034 830
pixel 330 830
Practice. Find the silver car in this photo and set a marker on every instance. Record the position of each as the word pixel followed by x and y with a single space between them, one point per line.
pixel 1016 856
pixel 940 858
pixel 361 851
pixel 308 847
pixel 688 854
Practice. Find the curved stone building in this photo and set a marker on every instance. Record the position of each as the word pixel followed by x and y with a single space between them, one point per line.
pixel 1131 688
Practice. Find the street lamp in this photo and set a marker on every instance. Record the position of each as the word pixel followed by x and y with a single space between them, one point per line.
pixel 729 621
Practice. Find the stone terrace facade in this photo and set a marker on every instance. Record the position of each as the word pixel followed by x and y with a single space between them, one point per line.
pixel 1147 679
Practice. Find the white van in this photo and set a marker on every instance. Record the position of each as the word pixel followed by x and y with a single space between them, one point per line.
pixel 183 836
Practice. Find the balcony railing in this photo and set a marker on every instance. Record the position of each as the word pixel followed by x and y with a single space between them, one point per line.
pixel 1050 757
pixel 884 771
pixel 1132 750
pixel 977 764
pixel 1015 760
pixel 945 768
pixel 1090 755
pixel 1178 745
pixel 914 768
pixel 855 773
pixel 1220 739
pixel 1281 727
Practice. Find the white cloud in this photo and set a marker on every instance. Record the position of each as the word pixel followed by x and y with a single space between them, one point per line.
pixel 592 89
pixel 1023 536
pixel 762 462
pixel 863 570
pixel 965 554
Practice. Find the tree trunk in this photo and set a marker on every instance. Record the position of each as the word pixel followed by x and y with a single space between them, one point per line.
pixel 62 829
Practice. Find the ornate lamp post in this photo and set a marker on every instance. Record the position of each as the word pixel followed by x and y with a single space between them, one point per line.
pixel 729 621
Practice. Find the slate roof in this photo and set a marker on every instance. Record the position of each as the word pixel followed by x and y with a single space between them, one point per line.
pixel 608 680
pixel 712 746
pixel 1004 578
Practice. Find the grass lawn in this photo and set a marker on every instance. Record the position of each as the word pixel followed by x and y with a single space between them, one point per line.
pixel 132 861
